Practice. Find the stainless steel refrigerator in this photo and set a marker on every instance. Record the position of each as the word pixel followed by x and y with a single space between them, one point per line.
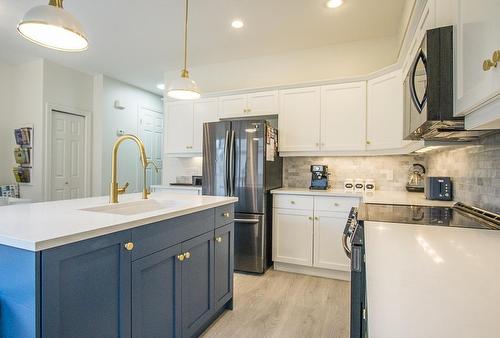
pixel 240 158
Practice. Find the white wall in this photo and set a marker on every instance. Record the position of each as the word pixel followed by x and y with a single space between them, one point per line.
pixel 112 120
pixel 6 135
pixel 331 62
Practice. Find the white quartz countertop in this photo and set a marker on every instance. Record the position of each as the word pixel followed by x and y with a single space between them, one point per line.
pixel 431 281
pixel 39 226
pixel 186 187
pixel 375 197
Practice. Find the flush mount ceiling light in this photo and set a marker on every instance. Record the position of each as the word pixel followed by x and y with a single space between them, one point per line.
pixel 160 86
pixel 237 23
pixel 184 88
pixel 53 27
pixel 334 3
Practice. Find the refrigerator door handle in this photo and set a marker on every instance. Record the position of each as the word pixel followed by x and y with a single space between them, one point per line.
pixel 231 164
pixel 226 164
pixel 249 221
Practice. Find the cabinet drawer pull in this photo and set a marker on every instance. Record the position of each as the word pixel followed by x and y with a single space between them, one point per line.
pixel 129 246
pixel 218 239
pixel 226 215
pixel 187 255
pixel 181 257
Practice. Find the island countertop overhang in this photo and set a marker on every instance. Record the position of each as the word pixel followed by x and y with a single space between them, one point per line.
pixel 41 226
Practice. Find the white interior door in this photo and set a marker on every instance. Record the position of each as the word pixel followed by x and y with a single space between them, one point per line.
pixel 151 133
pixel 68 156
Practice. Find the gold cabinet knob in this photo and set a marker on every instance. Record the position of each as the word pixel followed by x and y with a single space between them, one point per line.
pixel 218 239
pixel 292 202
pixel 187 255
pixel 129 246
pixel 316 218
pixel 181 257
pixel 310 218
pixel 492 63
pixel 226 215
pixel 368 142
pixel 336 204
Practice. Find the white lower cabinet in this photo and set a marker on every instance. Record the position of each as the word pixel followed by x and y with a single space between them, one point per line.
pixel 328 251
pixel 293 236
pixel 307 234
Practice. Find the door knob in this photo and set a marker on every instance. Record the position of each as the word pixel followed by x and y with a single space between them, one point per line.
pixel 129 246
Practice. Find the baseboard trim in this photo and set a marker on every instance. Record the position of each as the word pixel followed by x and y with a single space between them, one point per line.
pixel 312 271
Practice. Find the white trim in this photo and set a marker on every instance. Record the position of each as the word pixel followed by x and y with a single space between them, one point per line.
pixel 47 148
pixel 313 271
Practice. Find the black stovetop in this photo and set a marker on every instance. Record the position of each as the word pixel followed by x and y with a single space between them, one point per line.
pixel 424 215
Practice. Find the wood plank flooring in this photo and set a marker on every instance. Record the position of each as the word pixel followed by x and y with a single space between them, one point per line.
pixel 281 304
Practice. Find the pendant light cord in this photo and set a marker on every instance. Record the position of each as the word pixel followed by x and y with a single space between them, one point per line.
pixel 186 37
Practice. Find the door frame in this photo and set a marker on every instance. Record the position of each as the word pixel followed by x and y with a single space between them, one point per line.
pixel 47 148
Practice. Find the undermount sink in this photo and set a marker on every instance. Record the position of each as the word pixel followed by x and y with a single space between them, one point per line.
pixel 134 208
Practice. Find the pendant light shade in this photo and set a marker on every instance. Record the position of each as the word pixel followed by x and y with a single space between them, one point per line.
pixel 53 27
pixel 184 88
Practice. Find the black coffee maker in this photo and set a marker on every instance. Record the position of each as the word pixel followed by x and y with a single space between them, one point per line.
pixel 319 177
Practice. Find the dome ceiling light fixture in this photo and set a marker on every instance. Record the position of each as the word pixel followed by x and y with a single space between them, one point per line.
pixel 53 27
pixel 183 88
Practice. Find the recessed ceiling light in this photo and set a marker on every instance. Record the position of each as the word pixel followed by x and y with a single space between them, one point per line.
pixel 237 24
pixel 160 86
pixel 334 3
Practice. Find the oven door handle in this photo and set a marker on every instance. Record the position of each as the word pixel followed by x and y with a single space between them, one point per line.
pixel 346 247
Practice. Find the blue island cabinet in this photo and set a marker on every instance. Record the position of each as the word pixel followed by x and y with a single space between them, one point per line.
pixel 166 279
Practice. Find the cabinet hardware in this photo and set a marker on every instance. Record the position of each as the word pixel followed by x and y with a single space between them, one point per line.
pixel 292 202
pixel 316 218
pixel 226 215
pixel 189 147
pixel 187 255
pixel 492 63
pixel 368 142
pixel 129 246
pixel 218 239
pixel 336 204
pixel 181 257
pixel 310 218
pixel 317 144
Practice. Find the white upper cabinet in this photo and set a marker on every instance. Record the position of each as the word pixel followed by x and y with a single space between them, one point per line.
pixel 343 117
pixel 263 103
pixel 299 120
pixel 204 110
pixel 477 38
pixel 179 127
pixel 253 104
pixel 385 112
pixel 232 106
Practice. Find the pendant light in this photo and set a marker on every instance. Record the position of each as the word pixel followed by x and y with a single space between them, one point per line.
pixel 53 27
pixel 184 88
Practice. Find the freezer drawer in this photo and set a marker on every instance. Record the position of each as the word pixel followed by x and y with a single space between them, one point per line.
pixel 249 243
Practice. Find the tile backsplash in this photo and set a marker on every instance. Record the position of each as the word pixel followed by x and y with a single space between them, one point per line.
pixel 389 172
pixel 475 171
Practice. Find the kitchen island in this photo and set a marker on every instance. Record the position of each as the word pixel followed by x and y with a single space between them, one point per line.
pixel 140 268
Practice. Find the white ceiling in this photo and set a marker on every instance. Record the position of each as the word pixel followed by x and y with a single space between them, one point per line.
pixel 137 40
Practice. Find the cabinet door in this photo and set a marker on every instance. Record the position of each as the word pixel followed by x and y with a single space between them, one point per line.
pixel 299 122
pixel 86 288
pixel 197 283
pixel 293 236
pixel 224 264
pixel 478 32
pixel 328 251
pixel 232 106
pixel 180 127
pixel 203 111
pixel 385 112
pixel 263 103
pixel 156 295
pixel 343 117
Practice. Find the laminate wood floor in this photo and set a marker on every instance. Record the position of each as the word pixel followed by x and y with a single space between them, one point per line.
pixel 281 304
